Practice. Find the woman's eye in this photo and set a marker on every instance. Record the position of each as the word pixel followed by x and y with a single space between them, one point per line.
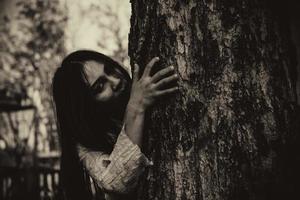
pixel 98 87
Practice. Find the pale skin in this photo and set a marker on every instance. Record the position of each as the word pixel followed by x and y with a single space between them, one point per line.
pixel 144 92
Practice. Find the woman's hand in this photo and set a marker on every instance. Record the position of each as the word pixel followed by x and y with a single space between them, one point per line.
pixel 146 89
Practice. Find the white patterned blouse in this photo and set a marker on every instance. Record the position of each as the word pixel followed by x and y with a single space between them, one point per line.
pixel 118 172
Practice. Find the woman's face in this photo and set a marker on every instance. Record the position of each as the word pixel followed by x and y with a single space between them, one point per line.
pixel 106 82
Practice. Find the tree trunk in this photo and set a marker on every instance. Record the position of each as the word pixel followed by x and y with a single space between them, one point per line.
pixel 226 134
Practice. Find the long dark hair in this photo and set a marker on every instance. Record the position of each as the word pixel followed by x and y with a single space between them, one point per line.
pixel 82 120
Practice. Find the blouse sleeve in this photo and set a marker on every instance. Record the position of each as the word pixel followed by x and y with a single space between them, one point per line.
pixel 119 171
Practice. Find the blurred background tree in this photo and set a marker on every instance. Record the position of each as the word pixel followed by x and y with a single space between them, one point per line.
pixel 32 45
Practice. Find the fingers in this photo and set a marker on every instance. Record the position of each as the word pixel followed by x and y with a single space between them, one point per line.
pixel 160 74
pixel 150 66
pixel 166 81
pixel 135 75
pixel 167 91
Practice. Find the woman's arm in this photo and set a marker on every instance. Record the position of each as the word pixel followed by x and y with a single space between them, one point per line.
pixel 117 172
pixel 145 90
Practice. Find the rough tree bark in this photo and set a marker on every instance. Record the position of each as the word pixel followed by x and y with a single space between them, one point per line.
pixel 225 135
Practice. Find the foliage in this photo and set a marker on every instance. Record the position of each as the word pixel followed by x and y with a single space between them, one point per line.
pixel 104 26
pixel 31 47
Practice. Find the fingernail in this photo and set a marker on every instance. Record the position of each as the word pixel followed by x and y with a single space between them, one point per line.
pixel 175 75
pixel 172 67
pixel 157 58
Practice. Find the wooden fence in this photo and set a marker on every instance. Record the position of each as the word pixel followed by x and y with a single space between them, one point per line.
pixel 36 183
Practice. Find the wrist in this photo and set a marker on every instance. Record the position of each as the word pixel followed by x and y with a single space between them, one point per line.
pixel 135 107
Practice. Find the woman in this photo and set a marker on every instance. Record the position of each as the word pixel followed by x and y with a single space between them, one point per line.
pixel 100 113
